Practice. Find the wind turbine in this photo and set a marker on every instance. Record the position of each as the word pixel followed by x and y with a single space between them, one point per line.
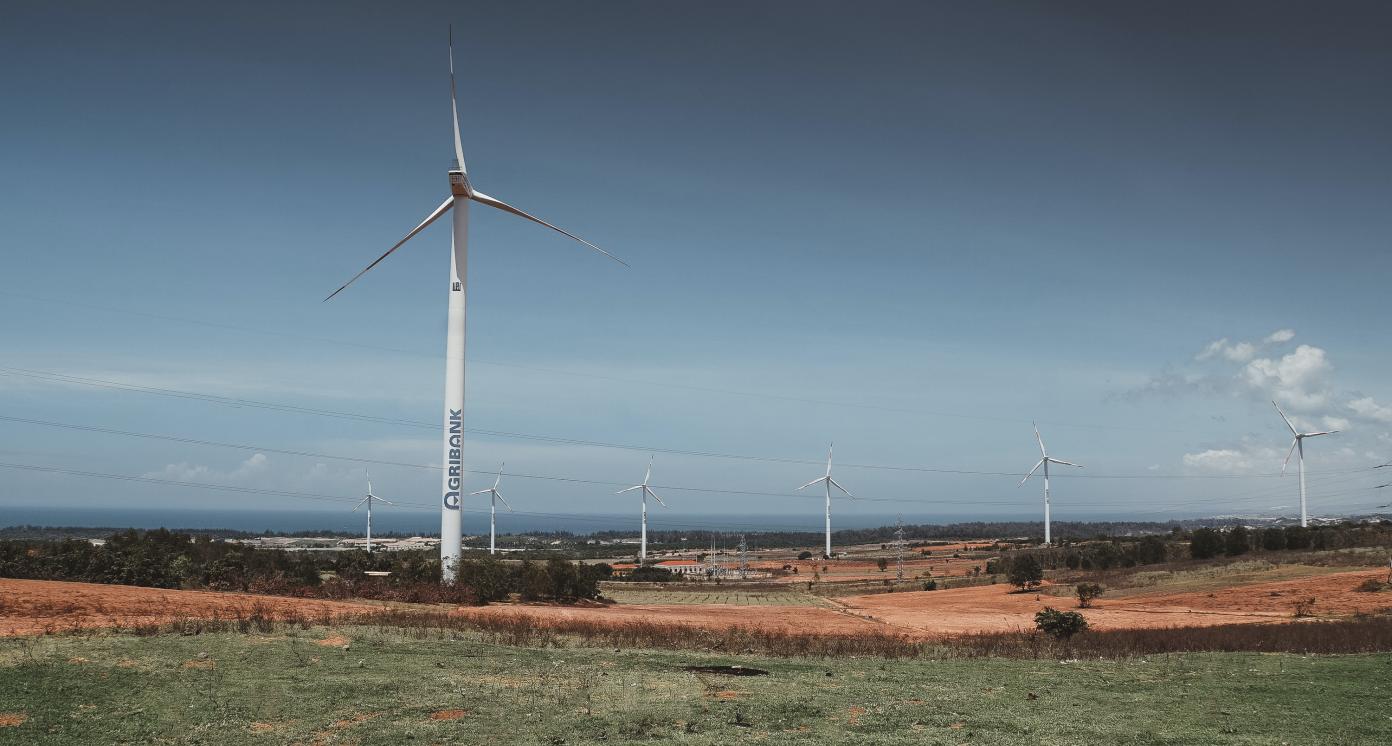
pixel 829 484
pixel 367 500
pixel 1298 444
pixel 647 492
pixel 1044 461
pixel 493 497
pixel 462 193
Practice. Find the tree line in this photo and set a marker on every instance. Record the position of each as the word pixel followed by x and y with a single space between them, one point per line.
pixel 168 559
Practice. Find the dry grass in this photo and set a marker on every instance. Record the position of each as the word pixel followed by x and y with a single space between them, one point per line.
pixel 1362 634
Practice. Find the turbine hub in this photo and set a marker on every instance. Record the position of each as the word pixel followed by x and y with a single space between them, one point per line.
pixel 459 184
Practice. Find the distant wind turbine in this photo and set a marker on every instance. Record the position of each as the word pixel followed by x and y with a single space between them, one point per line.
pixel 493 497
pixel 647 492
pixel 368 500
pixel 1298 444
pixel 1044 461
pixel 829 483
pixel 462 193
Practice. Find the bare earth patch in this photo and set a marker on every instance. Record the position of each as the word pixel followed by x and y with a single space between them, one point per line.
pixel 38 606
pixel 12 719
pixel 996 608
pixel 334 641
pixel 448 714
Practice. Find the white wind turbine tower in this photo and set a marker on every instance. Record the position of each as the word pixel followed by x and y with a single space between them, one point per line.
pixel 462 193
pixel 368 500
pixel 829 482
pixel 1298 444
pixel 493 497
pixel 647 492
pixel 1044 461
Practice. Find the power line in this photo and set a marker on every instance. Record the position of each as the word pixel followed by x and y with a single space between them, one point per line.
pixel 583 374
pixel 238 402
pixel 1262 494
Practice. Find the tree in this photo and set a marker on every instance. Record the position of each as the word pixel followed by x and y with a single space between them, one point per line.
pixel 1238 541
pixel 1060 624
pixel 1151 550
pixel 1087 592
pixel 1206 543
pixel 804 555
pixel 882 563
pixel 1025 572
pixel 1273 539
pixel 1297 537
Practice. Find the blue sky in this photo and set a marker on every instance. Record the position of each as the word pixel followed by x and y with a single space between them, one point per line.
pixel 911 230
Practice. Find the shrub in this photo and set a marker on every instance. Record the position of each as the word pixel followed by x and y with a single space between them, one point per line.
pixel 1206 543
pixel 1371 585
pixel 882 563
pixel 1305 607
pixel 1297 537
pixel 804 555
pixel 1238 541
pixel 1025 572
pixel 1273 539
pixel 931 585
pixel 1087 592
pixel 1059 624
pixel 1151 550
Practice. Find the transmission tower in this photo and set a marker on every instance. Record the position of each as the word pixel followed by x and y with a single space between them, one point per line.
pixel 899 546
pixel 744 558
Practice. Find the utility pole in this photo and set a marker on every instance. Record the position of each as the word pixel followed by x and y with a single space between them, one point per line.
pixel 744 558
pixel 899 545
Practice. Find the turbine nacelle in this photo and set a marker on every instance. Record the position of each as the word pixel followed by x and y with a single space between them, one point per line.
pixel 459 184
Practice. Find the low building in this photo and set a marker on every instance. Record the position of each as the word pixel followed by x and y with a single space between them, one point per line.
pixel 683 567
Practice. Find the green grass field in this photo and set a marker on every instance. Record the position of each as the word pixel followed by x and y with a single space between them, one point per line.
pixel 278 688
pixel 713 596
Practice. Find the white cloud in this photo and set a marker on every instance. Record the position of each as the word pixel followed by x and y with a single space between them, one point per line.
pixel 1280 336
pixel 1220 460
pixel 1369 408
pixel 1239 353
pixel 1297 378
pixel 186 472
pixel 1336 423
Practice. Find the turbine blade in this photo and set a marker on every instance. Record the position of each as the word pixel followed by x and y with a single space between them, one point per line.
pixel 1065 463
pixel 454 107
pixel 499 495
pixel 629 489
pixel 1039 438
pixel 838 486
pixel 654 496
pixel 648 474
pixel 1285 418
pixel 1289 453
pixel 480 492
pixel 809 484
pixel 444 207
pixel 1037 464
pixel 505 207
pixel 381 500
pixel 1311 435
pixel 829 447
pixel 359 505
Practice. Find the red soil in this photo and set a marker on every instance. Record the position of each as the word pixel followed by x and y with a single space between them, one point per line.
pixel 997 608
pixel 35 606
pixel 32 607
